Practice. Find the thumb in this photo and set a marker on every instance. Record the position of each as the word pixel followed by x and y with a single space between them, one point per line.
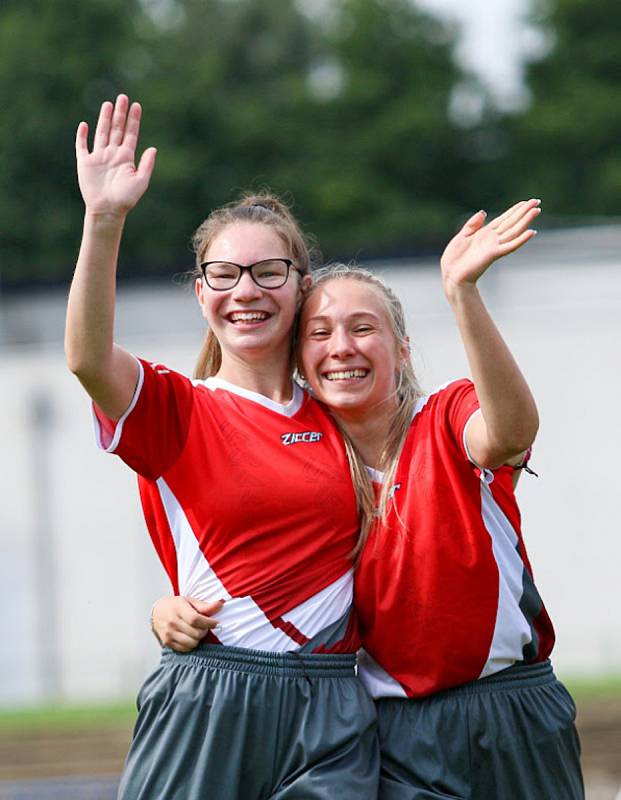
pixel 475 223
pixel 147 163
pixel 205 608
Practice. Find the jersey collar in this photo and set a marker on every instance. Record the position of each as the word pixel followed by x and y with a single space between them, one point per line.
pixel 286 409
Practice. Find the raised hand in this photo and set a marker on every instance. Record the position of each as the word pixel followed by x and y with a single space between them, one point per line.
pixel 477 245
pixel 109 180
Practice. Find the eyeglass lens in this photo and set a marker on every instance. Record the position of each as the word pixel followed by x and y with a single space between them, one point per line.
pixel 269 274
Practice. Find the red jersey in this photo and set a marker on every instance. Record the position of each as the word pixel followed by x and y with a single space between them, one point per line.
pixel 446 596
pixel 246 500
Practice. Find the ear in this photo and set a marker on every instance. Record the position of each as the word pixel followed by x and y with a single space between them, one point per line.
pixel 303 287
pixel 404 351
pixel 199 291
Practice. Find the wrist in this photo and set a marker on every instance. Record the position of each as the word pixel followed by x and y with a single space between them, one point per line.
pixel 105 217
pixel 459 293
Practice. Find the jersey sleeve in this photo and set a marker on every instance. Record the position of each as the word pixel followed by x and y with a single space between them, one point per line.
pixel 460 404
pixel 151 434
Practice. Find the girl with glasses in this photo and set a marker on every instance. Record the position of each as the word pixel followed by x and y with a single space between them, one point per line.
pixel 456 637
pixel 247 496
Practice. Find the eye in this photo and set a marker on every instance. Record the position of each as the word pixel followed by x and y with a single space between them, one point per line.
pixel 221 270
pixel 363 329
pixel 318 333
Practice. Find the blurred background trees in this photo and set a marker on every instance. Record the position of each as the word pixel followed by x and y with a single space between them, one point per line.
pixel 349 108
pixel 567 143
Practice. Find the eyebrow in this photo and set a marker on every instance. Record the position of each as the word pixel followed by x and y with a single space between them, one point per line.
pixel 320 317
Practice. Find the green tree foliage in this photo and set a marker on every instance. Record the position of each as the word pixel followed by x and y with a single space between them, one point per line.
pixel 56 62
pixel 565 147
pixel 224 104
pixel 346 113
pixel 387 164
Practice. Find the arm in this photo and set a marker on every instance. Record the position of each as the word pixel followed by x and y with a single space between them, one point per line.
pixel 507 422
pixel 111 186
pixel 182 622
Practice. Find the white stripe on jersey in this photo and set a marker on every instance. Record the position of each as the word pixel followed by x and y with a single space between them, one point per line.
pixel 323 608
pixel 511 625
pixel 487 476
pixel 243 623
pixel 110 447
pixel 376 680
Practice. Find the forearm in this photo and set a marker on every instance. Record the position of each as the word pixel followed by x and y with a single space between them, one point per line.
pixel 90 309
pixel 509 413
pixel 107 372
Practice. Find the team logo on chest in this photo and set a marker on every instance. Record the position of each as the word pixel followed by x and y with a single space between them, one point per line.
pixel 306 437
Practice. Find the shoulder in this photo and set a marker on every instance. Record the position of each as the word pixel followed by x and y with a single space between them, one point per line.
pixel 445 398
pixel 162 373
pixel 453 390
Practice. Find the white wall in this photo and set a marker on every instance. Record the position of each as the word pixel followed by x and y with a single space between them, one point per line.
pixel 87 607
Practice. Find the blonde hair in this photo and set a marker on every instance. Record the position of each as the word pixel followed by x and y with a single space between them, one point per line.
pixel 407 390
pixel 262 208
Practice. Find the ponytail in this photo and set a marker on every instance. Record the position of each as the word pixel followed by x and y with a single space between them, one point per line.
pixel 209 358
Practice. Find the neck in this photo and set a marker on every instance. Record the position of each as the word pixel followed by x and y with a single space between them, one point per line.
pixel 269 377
pixel 368 430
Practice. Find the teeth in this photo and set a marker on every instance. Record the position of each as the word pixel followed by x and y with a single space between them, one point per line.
pixel 247 316
pixel 343 374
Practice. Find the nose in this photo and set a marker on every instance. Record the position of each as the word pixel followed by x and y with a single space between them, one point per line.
pixel 341 344
pixel 246 290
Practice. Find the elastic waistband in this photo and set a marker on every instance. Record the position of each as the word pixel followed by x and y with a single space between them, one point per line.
pixel 263 662
pixel 519 676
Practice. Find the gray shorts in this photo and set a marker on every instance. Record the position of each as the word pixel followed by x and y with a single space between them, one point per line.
pixel 507 737
pixel 225 723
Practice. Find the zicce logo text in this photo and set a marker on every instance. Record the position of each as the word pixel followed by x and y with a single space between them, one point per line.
pixel 304 437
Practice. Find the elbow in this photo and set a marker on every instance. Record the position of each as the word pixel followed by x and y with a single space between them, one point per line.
pixel 80 362
pixel 503 449
pixel 75 359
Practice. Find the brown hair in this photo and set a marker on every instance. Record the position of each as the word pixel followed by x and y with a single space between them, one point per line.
pixel 407 389
pixel 262 208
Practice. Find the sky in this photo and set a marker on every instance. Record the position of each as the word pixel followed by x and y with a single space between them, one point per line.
pixel 495 39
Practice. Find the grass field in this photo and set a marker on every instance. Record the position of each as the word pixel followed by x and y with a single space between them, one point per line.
pixel 593 688
pixel 69 716
pixel 123 713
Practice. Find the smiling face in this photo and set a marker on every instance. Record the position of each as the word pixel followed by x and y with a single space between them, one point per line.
pixel 348 350
pixel 249 322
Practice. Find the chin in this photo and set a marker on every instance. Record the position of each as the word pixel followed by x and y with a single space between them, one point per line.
pixel 337 401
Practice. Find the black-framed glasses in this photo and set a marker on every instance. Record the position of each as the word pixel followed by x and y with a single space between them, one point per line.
pixel 271 273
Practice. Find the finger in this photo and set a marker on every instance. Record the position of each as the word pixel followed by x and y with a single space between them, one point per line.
pixel 519 227
pixel 516 216
pixel 205 608
pixel 475 223
pixel 502 217
pixel 102 131
pixel 515 244
pixel 119 118
pixel 200 622
pixel 132 125
pixel 81 139
pixel 147 163
pixel 182 643
pixel 194 628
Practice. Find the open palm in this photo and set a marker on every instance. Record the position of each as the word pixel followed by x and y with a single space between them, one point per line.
pixel 109 180
pixel 468 255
